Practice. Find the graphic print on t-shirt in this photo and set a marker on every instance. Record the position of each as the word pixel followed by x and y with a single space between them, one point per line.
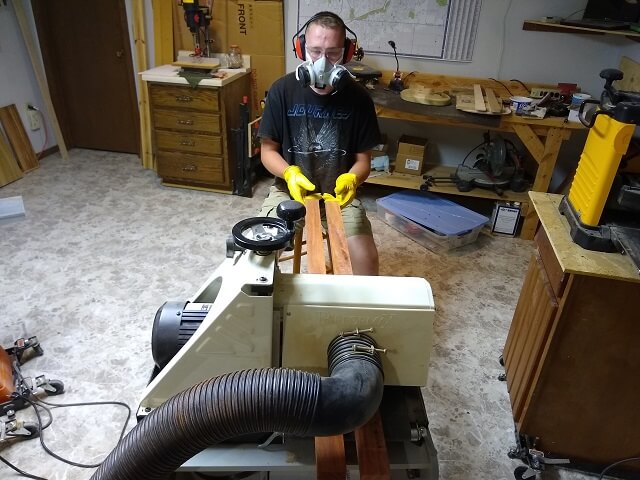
pixel 317 152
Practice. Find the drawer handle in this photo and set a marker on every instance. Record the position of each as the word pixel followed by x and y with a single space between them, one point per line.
pixel 185 122
pixel 189 168
pixel 188 143
pixel 183 98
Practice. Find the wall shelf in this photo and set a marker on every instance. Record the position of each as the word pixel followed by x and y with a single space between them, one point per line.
pixel 535 26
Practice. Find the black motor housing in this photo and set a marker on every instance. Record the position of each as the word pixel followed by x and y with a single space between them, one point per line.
pixel 174 324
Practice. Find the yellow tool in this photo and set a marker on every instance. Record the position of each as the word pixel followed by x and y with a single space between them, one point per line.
pixel 603 204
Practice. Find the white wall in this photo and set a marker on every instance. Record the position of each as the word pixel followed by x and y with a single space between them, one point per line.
pixel 18 84
pixel 503 50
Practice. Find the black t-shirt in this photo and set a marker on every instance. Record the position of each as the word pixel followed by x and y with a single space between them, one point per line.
pixel 319 133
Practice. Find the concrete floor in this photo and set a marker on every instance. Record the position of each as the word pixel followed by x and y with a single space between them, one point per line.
pixel 103 245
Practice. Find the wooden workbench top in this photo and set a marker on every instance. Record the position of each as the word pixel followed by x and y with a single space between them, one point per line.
pixel 572 257
pixel 385 98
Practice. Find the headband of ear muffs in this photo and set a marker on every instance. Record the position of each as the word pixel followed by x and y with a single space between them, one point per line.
pixel 350 45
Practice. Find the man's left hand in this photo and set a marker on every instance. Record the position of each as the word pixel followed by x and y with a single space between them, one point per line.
pixel 346 185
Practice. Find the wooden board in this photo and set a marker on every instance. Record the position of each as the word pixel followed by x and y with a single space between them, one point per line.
pixel 330 458
pixel 371 447
pixel 9 169
pixel 631 71
pixel 492 101
pixel 467 103
pixel 478 99
pixel 338 247
pixel 315 245
pixel 18 138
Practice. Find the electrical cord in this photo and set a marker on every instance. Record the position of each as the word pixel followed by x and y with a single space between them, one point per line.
pixel 516 80
pixel 613 465
pixel 573 13
pixel 503 37
pixel 21 472
pixel 35 404
pixel 46 135
pixel 83 404
pixel 510 92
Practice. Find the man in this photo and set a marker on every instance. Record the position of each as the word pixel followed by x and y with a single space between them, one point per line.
pixel 317 132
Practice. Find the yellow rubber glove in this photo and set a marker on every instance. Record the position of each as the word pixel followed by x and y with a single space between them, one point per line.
pixel 346 185
pixel 297 183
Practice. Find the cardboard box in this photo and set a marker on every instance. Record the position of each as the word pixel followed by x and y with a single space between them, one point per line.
pixel 266 69
pixel 411 156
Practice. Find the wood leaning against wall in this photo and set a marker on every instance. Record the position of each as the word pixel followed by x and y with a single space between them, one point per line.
pixel 18 139
pixel 139 38
pixel 40 77
pixel 9 169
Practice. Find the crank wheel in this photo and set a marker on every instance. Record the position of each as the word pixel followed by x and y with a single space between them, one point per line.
pixel 262 234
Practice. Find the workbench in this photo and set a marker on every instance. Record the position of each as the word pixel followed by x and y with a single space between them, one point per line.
pixel 542 138
pixel 571 356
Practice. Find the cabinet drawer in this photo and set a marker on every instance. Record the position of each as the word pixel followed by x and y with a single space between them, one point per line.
pixel 187 120
pixel 198 168
pixel 189 142
pixel 205 99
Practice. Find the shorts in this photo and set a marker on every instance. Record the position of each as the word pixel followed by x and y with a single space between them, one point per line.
pixel 354 215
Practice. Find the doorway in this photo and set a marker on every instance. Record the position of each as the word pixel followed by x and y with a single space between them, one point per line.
pixel 87 58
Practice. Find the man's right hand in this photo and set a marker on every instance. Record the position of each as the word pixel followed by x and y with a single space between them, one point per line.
pixel 297 183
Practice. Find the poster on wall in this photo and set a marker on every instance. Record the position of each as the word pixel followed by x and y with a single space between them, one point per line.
pixel 434 29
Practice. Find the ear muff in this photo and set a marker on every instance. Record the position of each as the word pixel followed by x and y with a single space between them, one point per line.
pixel 299 45
pixel 350 44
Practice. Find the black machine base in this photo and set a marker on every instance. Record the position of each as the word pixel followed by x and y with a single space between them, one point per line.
pixel 604 238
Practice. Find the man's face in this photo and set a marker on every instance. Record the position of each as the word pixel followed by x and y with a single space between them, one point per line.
pixel 321 41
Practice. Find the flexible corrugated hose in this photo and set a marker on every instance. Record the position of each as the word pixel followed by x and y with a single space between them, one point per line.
pixel 251 401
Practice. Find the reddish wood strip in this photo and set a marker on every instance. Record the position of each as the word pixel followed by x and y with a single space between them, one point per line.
pixel 331 463
pixel 337 240
pixel 315 247
pixel 372 450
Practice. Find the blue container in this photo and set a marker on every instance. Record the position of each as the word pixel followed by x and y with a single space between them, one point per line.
pixel 432 221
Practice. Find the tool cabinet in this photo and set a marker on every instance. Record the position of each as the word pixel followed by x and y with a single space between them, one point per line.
pixel 193 142
pixel 571 357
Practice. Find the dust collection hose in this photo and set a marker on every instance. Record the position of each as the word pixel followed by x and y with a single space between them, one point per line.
pixel 251 401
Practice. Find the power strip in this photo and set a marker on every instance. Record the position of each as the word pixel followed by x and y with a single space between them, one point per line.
pixel 541 92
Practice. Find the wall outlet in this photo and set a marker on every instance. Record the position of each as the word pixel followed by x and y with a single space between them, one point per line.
pixel 34 118
pixel 541 92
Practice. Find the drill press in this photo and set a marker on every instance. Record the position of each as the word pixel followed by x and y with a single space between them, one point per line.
pixel 198 19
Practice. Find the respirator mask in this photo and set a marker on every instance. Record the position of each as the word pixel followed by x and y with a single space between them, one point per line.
pixel 321 73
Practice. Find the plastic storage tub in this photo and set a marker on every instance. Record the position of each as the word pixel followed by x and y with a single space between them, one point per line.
pixel 433 222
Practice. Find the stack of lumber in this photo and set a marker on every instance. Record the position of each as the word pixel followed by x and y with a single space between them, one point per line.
pixel 487 103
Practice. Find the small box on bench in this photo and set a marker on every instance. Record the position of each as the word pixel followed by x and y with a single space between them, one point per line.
pixel 411 156
pixel 433 222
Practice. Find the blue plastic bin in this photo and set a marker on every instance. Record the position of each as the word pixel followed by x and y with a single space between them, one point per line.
pixel 434 222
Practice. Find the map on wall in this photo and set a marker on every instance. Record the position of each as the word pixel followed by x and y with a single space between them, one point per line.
pixel 438 29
